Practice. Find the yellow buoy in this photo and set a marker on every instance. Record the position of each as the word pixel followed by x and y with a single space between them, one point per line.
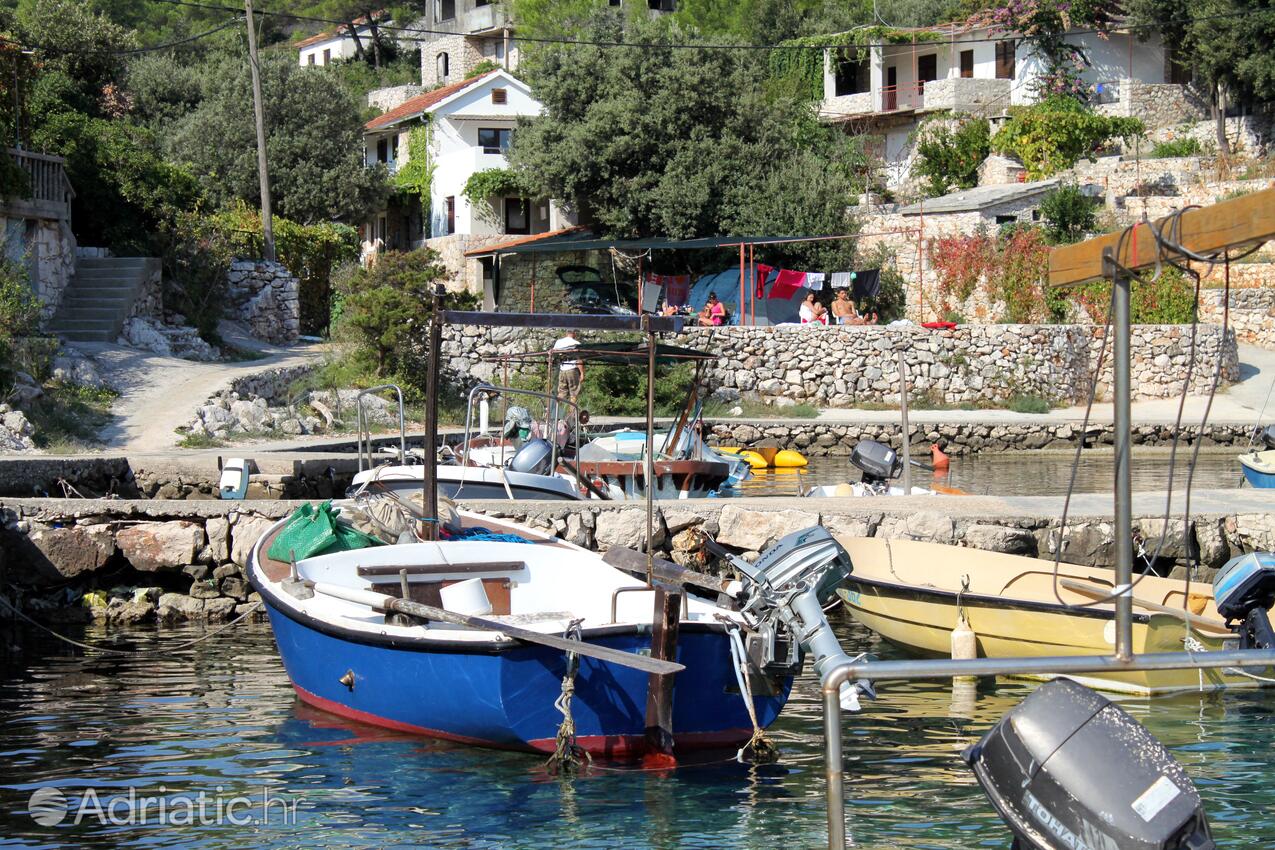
pixel 755 460
pixel 789 459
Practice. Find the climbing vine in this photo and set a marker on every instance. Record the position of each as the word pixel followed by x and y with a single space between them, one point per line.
pixel 416 176
pixel 800 61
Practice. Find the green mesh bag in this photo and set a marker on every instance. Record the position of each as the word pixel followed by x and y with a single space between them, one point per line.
pixel 312 531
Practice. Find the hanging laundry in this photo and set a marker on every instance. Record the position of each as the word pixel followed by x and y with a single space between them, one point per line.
pixel 787 284
pixel 814 280
pixel 840 280
pixel 677 289
pixel 866 284
pixel 759 279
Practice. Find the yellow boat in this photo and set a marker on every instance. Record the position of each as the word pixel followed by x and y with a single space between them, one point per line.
pixel 908 592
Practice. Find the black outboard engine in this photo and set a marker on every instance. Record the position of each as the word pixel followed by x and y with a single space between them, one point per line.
pixel 1268 436
pixel 535 457
pixel 878 462
pixel 1067 769
pixel 1244 591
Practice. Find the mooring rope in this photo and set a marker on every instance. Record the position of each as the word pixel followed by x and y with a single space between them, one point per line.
pixel 115 651
pixel 763 749
pixel 568 756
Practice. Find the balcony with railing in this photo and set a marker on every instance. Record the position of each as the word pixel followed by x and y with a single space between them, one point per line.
pixel 50 193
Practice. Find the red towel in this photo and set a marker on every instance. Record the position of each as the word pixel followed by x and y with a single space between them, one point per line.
pixel 759 278
pixel 939 326
pixel 787 284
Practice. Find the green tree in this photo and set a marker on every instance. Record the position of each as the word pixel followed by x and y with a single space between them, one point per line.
pixel 1054 134
pixel 1229 46
pixel 385 306
pixel 679 142
pixel 1068 213
pixel 949 158
pixel 315 142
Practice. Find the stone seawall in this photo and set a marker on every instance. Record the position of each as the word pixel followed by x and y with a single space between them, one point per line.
pixel 133 561
pixel 837 439
pixel 846 366
pixel 1252 313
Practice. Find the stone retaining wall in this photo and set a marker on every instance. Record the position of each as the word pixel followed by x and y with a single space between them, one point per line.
pixel 266 297
pixel 837 439
pixel 1252 313
pixel 133 561
pixel 846 366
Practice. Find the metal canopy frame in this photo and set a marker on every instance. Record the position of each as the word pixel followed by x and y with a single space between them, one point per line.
pixel 563 321
pixel 1199 231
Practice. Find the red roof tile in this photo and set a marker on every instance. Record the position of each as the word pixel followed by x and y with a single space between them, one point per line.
pixel 422 102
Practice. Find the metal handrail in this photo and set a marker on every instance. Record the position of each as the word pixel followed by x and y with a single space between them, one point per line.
pixel 553 400
pixel 402 425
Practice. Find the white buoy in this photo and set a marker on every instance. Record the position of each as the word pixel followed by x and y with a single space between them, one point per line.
pixel 964 641
pixel 484 414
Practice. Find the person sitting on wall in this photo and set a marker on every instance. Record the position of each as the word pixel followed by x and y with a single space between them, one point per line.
pixel 714 312
pixel 570 369
pixel 843 309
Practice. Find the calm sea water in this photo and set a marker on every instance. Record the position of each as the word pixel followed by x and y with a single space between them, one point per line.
pixel 222 716
pixel 1017 473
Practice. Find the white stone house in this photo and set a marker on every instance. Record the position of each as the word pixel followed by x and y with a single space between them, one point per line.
pixel 886 90
pixel 470 124
pixel 334 45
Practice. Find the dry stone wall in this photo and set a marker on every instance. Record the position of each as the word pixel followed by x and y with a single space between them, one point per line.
pixel 1252 314
pixel 846 366
pixel 266 297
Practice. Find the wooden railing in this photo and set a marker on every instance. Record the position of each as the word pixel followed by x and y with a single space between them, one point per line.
pixel 51 192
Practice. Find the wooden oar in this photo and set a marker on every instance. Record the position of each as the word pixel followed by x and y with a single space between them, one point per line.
pixel 381 602
pixel 634 563
pixel 1095 591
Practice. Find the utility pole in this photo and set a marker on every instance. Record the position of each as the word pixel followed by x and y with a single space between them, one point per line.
pixel 267 217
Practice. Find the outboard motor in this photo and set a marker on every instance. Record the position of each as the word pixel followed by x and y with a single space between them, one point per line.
pixel 1067 769
pixel 878 462
pixel 1268 436
pixel 787 589
pixel 535 457
pixel 1244 591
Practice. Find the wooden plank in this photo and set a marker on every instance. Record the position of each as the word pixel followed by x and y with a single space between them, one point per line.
pixel 443 569
pixel 1227 224
pixel 1100 592
pixel 382 602
pixel 659 689
pixel 634 563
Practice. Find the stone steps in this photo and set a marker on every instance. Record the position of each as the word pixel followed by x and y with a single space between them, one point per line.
pixel 99 298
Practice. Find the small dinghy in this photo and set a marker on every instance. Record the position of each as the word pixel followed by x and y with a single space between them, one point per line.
pixel 1259 466
pixel 478 655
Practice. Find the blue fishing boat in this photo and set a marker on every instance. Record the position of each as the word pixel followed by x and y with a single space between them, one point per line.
pixel 1259 468
pixel 348 651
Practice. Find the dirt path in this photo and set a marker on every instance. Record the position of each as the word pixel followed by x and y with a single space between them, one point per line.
pixel 159 394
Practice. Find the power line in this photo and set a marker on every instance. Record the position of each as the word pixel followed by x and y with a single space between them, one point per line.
pixel 422 31
pixel 25 45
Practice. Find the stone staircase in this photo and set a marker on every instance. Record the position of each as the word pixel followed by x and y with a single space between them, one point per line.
pixel 100 297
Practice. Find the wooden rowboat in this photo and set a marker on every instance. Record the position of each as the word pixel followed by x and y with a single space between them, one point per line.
pixel 909 592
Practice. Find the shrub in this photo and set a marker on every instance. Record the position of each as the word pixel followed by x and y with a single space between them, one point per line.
pixel 1068 213
pixel 312 252
pixel 196 254
pixel 1168 300
pixel 1011 268
pixel 949 159
pixel 388 306
pixel 1054 134
pixel 1028 404
pixel 19 317
pixel 1185 146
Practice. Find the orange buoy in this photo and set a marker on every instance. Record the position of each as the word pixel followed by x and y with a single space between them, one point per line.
pixel 938 459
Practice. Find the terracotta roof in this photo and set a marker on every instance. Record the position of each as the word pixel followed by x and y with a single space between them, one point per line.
pixel 328 35
pixel 422 102
pixel 524 240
